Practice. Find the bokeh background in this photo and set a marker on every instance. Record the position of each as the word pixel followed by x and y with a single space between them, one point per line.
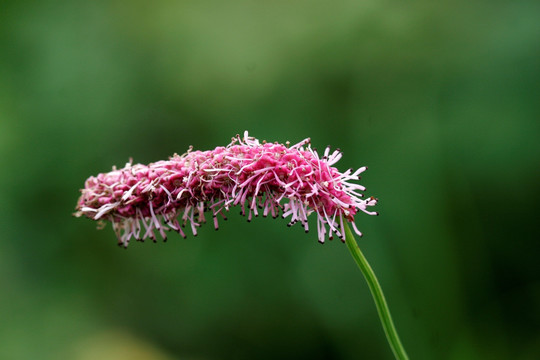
pixel 439 99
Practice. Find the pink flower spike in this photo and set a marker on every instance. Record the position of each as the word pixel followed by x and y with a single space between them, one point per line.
pixel 257 176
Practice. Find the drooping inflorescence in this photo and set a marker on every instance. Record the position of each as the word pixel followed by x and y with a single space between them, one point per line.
pixel 267 179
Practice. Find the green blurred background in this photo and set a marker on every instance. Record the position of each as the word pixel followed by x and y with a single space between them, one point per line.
pixel 439 99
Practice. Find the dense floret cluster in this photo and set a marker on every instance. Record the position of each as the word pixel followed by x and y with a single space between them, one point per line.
pixel 262 178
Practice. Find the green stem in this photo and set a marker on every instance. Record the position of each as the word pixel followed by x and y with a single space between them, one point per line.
pixel 378 296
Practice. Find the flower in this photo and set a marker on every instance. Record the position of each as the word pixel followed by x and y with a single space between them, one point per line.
pixel 167 195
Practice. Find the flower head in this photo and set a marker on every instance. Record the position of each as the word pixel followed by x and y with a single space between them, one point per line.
pixel 267 179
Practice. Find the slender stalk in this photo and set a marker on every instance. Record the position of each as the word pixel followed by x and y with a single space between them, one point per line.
pixel 378 296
